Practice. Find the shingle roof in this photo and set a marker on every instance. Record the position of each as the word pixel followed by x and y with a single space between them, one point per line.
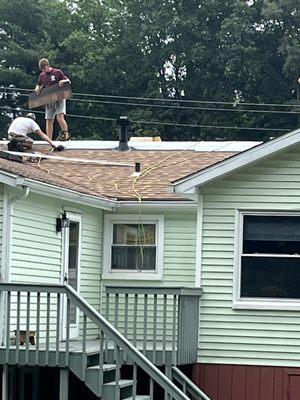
pixel 158 168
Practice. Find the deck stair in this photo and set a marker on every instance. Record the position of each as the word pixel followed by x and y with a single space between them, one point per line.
pixel 99 369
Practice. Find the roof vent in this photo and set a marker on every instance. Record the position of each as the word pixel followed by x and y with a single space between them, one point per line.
pixel 124 123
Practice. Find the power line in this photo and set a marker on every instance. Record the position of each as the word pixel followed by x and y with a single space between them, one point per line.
pixel 179 107
pixel 159 123
pixel 169 100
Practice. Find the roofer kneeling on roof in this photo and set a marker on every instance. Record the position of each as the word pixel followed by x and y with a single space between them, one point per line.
pixel 19 130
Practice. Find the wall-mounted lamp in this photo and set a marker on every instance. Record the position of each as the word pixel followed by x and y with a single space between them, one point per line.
pixel 62 222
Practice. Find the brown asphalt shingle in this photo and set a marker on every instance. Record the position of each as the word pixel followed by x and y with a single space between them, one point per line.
pixel 117 182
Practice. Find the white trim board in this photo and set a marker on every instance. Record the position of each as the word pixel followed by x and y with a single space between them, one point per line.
pixel 237 162
pixel 50 190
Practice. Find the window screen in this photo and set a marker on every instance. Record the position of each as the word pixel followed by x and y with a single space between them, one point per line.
pixel 134 247
pixel 270 264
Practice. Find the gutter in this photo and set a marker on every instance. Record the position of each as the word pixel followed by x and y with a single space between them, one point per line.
pixel 57 192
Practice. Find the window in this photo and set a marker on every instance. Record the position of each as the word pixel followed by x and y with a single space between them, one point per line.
pixel 269 260
pixel 133 250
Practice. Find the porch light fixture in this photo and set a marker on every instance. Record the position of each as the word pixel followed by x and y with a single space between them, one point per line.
pixel 62 222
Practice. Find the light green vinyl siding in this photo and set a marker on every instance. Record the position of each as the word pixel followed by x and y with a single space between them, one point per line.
pixel 36 248
pixel 179 250
pixel 245 336
pixel 178 270
pixel 1 229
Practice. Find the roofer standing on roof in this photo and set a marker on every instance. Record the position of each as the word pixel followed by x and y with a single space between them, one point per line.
pixel 19 130
pixel 48 77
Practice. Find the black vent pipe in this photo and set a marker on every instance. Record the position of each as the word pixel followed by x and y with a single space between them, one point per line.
pixel 124 123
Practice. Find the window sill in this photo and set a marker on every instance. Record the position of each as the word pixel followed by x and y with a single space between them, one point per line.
pixel 266 304
pixel 132 276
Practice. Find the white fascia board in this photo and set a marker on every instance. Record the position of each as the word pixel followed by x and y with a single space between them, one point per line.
pixel 69 195
pixel 57 192
pixel 151 205
pixel 8 179
pixel 237 162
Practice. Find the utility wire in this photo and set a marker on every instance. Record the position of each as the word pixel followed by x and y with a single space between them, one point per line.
pixel 159 123
pixel 179 107
pixel 168 100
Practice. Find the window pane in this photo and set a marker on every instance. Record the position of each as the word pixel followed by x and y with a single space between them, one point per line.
pixel 130 258
pixel 134 234
pixel 272 228
pixel 271 234
pixel 276 277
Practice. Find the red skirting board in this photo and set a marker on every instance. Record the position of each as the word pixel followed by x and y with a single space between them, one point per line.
pixel 244 382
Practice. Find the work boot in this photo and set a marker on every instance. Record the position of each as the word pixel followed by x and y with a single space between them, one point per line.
pixel 63 136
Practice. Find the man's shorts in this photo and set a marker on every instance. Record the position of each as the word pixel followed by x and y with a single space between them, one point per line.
pixel 52 109
pixel 24 140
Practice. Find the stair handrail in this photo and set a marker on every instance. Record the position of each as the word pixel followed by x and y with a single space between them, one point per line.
pixel 190 387
pixel 121 341
pixel 118 339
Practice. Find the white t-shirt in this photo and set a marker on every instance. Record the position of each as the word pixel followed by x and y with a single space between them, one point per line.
pixel 21 126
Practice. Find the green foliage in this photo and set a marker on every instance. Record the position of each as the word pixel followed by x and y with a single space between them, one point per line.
pixel 219 50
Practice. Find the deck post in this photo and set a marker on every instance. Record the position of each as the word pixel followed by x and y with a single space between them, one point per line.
pixel 63 384
pixel 5 382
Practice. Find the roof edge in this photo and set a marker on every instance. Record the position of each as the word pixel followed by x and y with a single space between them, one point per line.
pixel 235 163
pixel 57 192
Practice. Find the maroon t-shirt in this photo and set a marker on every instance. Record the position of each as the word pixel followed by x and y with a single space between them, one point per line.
pixel 47 79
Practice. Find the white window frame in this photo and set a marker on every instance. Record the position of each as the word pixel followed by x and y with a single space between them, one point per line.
pixel 109 221
pixel 256 303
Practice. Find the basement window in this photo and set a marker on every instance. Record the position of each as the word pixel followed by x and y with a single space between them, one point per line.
pixel 133 248
pixel 268 263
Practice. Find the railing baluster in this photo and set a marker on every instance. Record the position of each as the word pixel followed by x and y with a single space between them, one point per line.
pixel 126 316
pixel 118 374
pixel 174 330
pixel 126 323
pixel 116 316
pixel 134 378
pixel 57 329
pixel 151 389
pixel 47 329
pixel 83 356
pixel 135 311
pixel 67 333
pixel 27 328
pixel 101 362
pixel 18 327
pixel 154 327
pixel 8 301
pixel 164 329
pixel 184 387
pixel 107 319
pixel 145 324
pixel 38 320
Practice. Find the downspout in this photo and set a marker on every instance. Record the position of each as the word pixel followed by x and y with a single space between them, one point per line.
pixel 6 248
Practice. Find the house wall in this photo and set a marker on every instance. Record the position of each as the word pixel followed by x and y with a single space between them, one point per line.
pixel 178 270
pixel 1 230
pixel 36 255
pixel 244 382
pixel 246 337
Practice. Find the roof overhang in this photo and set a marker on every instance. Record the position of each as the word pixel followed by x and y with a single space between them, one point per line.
pixel 43 188
pixel 190 184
